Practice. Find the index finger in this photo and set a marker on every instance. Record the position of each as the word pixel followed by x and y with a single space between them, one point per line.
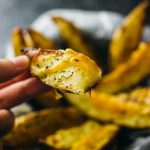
pixel 10 68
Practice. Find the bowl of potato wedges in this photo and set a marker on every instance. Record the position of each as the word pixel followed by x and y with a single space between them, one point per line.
pixel 97 64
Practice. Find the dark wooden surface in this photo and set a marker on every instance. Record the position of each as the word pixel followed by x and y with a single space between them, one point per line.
pixel 23 12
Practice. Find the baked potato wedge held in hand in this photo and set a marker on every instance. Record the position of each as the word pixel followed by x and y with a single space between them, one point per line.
pixel 65 70
pixel 128 35
pixel 128 73
pixel 35 125
pixel 30 38
pixel 74 37
pixel 89 134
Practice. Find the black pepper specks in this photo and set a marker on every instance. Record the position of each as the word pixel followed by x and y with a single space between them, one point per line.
pixel 76 60
pixel 38 65
pixel 46 67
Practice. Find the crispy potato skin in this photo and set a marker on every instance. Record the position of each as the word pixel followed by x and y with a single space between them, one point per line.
pixel 65 70
pixel 17 41
pixel 74 37
pixel 129 73
pixel 29 128
pixel 127 37
pixel 79 137
pixel 125 109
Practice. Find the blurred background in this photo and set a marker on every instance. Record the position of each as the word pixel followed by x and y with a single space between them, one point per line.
pixel 23 12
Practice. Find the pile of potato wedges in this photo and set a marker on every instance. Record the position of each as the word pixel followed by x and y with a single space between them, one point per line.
pixel 91 120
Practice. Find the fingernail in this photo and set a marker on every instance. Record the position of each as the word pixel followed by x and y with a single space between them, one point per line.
pixel 21 61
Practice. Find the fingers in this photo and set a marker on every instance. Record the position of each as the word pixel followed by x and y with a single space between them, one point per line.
pixel 19 92
pixel 9 68
pixel 20 77
pixel 7 121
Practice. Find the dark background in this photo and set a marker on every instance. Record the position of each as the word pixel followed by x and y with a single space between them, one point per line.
pixel 23 12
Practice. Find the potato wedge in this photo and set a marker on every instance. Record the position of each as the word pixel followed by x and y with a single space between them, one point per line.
pixel 40 41
pixel 27 38
pixel 29 128
pixel 125 109
pixel 22 38
pixel 74 37
pixel 129 73
pixel 128 35
pixel 88 136
pixel 97 139
pixel 135 102
pixel 18 41
pixel 67 70
pixel 131 109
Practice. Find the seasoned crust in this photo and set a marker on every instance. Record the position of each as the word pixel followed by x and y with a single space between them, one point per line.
pixel 65 70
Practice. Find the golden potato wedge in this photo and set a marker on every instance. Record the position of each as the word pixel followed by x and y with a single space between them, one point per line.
pixel 29 128
pixel 65 70
pixel 88 136
pixel 74 37
pixel 125 109
pixel 128 35
pixel 22 38
pixel 135 102
pixel 41 41
pixel 128 73
pixel 97 139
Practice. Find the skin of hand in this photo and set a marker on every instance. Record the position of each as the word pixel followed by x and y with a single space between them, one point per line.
pixel 16 86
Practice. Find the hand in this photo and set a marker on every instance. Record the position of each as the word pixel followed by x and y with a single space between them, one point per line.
pixel 16 86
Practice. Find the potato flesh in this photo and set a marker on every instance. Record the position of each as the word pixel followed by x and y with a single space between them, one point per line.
pixel 65 70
